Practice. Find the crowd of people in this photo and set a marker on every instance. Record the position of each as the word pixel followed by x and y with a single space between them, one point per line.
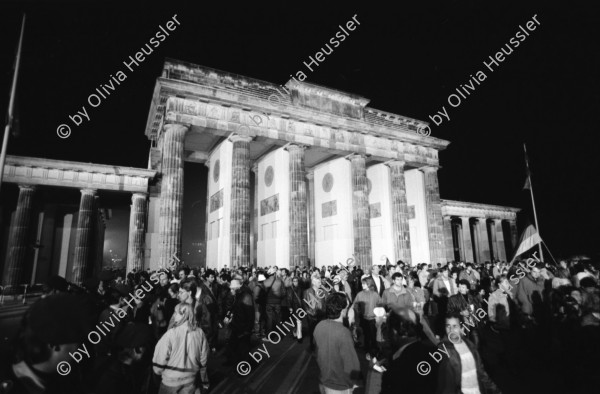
pixel 154 332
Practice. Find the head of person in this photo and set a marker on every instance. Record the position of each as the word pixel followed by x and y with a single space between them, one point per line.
pixel 563 264
pixel 295 281
pixel 235 286
pixel 368 284
pixel 454 274
pixel 403 323
pixel 453 327
pixel 413 280
pixel 315 280
pixel 577 296
pixel 469 268
pixel 588 284
pixel 343 274
pixel 535 272
pixel 187 291
pixel 51 329
pixel 397 279
pixel 174 290
pixel 134 342
pixel 184 313
pixel 444 271
pixel 463 286
pixel 163 279
pixel 210 276
pixel 335 306
pixel 502 283
pixel 304 275
pixel 284 273
pixel 183 273
pixel 375 269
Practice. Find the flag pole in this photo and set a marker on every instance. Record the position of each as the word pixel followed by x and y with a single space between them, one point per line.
pixel 533 202
pixel 11 104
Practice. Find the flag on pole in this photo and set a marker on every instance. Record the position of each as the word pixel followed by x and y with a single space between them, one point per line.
pixel 529 239
pixel 527 170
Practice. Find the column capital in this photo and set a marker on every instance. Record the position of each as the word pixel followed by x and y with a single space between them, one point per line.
pixel 294 147
pixel 356 156
pixel 429 168
pixel 92 192
pixel 482 219
pixel 395 163
pixel 177 127
pixel 255 167
pixel 310 174
pixel 238 137
pixel 25 186
pixel 465 218
pixel 496 221
pixel 447 217
pixel 137 195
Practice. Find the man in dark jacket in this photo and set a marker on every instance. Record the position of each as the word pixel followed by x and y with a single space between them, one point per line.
pixel 529 294
pixel 460 366
pixel 241 322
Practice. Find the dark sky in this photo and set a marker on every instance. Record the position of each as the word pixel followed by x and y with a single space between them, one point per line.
pixel 405 58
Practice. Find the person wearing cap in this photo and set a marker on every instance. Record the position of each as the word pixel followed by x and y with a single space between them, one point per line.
pixel 241 322
pixel 122 375
pixel 181 354
pixel 53 328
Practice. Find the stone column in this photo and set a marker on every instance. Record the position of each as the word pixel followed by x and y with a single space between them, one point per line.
pixel 19 238
pixel 171 192
pixel 255 216
pixel 514 237
pixel 459 242
pixel 360 208
pixel 499 240
pixel 311 217
pixel 83 238
pixel 434 215
pixel 467 245
pixel 448 238
pixel 399 212
pixel 240 202
pixel 298 220
pixel 494 245
pixel 137 232
pixel 209 178
pixel 484 243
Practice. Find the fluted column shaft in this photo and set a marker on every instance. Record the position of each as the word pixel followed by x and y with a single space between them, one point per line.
pixel 484 243
pixel 448 239
pixel 137 232
pixel 83 238
pixel 467 245
pixel 514 234
pixel 400 227
pixel 499 240
pixel 434 215
pixel 311 217
pixel 171 192
pixel 18 239
pixel 494 244
pixel 240 202
pixel 298 219
pixel 361 218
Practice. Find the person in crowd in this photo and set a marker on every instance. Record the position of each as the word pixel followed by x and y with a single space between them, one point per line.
pixel 207 311
pixel 275 289
pixel 314 306
pixel 364 304
pixel 529 295
pixel 125 372
pixel 294 301
pixel 337 359
pixel 443 285
pixel 465 304
pixel 182 353
pixel 51 330
pixel 260 305
pixel 498 303
pixel 408 349
pixel 396 296
pixel 461 370
pixel 240 320
pixel 470 275
pixel 377 279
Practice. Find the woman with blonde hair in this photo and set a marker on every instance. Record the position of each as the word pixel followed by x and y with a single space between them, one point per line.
pixel 181 354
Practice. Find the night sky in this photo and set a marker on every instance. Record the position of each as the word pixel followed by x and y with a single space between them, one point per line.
pixel 407 60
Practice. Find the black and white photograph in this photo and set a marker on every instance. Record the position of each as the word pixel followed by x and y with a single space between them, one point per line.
pixel 299 197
